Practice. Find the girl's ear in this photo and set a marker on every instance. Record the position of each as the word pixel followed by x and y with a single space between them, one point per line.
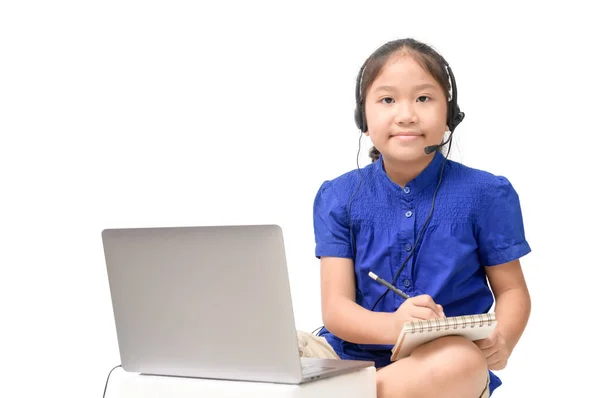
pixel 367 133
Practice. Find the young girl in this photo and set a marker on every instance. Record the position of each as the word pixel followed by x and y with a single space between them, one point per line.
pixel 436 229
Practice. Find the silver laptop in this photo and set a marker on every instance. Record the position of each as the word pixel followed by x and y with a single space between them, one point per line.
pixel 208 302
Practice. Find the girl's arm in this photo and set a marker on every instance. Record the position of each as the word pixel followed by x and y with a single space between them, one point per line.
pixel 342 316
pixel 353 323
pixel 513 303
pixel 513 306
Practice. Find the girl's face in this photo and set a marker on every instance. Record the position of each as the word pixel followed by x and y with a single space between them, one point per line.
pixel 405 108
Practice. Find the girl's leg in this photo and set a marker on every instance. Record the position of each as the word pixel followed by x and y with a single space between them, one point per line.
pixel 445 368
pixel 449 367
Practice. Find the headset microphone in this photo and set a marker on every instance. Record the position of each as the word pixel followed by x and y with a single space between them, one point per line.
pixel 432 148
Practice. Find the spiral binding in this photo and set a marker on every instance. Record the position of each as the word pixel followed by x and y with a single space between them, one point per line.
pixel 455 322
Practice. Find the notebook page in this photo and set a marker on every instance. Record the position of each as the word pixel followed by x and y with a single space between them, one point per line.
pixel 416 333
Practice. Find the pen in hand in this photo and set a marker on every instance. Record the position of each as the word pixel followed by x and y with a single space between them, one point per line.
pixel 389 286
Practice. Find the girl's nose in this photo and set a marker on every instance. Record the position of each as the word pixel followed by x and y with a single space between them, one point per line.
pixel 405 113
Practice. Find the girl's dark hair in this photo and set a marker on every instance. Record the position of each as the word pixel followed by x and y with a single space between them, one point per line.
pixel 425 55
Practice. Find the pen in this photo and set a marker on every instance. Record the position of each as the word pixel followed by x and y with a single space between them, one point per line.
pixel 389 286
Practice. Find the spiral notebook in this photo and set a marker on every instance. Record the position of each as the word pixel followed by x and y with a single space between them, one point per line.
pixel 415 333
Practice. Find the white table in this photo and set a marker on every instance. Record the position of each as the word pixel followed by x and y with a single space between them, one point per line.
pixel 358 384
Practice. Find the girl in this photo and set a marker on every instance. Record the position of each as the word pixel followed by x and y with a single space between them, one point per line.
pixel 435 228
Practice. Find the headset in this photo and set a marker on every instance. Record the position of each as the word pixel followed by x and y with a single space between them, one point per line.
pixel 454 118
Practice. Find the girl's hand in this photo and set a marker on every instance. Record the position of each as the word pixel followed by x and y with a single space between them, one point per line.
pixel 416 308
pixel 495 350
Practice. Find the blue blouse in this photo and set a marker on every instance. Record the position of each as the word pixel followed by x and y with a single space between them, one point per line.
pixel 476 223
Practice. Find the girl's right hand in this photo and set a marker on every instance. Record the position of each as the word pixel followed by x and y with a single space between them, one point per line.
pixel 416 308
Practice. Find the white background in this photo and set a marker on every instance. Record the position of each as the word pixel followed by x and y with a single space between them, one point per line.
pixel 149 113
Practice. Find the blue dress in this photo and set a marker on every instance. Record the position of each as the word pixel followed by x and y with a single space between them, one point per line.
pixel 476 223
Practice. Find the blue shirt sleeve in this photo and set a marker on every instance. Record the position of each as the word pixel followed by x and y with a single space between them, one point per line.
pixel 330 220
pixel 500 230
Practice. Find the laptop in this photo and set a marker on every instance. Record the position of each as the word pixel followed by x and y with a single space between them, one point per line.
pixel 208 302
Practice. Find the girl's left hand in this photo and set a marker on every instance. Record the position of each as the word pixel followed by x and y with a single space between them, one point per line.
pixel 495 350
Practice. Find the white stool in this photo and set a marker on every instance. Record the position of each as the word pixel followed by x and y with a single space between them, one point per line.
pixel 359 384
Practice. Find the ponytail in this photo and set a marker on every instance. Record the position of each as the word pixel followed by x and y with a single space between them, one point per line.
pixel 374 154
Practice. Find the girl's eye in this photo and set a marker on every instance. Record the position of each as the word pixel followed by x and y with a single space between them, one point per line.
pixel 423 98
pixel 387 100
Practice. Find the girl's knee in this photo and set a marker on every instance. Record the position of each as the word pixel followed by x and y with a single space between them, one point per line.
pixel 449 366
pixel 454 357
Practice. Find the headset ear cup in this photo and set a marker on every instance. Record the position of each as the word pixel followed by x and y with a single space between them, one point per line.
pixel 458 117
pixel 450 118
pixel 455 117
pixel 358 118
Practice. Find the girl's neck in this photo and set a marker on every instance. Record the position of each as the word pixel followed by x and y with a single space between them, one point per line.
pixel 403 172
